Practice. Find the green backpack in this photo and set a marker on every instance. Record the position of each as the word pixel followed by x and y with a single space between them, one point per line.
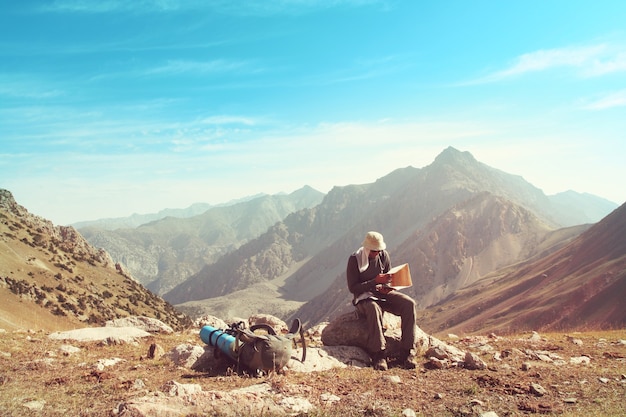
pixel 260 349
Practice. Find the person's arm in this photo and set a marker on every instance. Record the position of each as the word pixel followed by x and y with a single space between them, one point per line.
pixel 355 285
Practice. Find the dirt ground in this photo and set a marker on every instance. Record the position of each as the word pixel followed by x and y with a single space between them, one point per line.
pixel 549 374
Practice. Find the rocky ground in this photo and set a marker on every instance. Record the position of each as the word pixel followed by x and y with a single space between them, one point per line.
pixel 531 374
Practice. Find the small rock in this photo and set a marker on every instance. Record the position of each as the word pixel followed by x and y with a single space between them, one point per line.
pixel 407 412
pixel 526 366
pixel 537 390
pixel 67 350
pixel 580 360
pixel 438 396
pixel 103 363
pixel 489 414
pixel 472 361
pixel 329 398
pixel 575 341
pixel 570 400
pixel 155 351
pixel 35 405
pixel 139 384
pixel 175 389
pixel 604 380
pixel 393 378
pixel 535 337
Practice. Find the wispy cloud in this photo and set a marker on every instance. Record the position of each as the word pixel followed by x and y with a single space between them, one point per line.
pixel 203 67
pixel 615 99
pixel 240 7
pixel 588 61
pixel 24 87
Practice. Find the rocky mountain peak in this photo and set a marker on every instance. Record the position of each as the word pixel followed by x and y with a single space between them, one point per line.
pixel 452 156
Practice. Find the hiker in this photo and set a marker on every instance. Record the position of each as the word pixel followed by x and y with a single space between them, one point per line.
pixel 367 275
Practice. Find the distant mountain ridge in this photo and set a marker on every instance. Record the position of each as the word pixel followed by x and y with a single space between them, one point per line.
pixel 302 257
pixel 163 253
pixel 136 220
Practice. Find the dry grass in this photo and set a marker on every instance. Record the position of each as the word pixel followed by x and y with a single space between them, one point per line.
pixel 32 368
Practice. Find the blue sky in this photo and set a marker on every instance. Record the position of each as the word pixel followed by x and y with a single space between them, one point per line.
pixel 114 107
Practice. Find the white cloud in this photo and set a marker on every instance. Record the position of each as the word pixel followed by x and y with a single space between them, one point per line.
pixel 589 61
pixel 239 7
pixel 615 99
pixel 180 66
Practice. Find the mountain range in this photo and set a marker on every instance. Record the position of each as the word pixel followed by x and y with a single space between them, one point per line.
pixel 51 278
pixel 457 222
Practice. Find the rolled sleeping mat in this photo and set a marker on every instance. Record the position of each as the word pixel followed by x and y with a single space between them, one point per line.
pixel 225 342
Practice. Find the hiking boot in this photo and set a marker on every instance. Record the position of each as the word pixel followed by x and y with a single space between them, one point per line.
pixel 379 361
pixel 407 360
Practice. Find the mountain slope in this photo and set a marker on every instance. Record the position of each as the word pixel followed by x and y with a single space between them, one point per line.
pixel 51 278
pixel 163 253
pixel 305 254
pixel 582 285
pixel 458 247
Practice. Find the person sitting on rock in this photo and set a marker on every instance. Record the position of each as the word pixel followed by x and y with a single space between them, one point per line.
pixel 367 279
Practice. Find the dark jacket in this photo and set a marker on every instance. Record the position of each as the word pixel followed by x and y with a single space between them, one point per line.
pixel 360 282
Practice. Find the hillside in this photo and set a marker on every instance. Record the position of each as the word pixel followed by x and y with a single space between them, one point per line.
pixel 302 257
pixel 580 286
pixel 163 253
pixel 454 250
pixel 51 278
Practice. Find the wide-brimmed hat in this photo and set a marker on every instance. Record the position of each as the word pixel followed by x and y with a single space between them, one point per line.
pixel 374 241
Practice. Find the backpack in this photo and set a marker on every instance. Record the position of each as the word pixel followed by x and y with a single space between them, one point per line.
pixel 258 348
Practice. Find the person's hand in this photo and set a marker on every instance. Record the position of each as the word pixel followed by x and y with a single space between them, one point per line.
pixel 383 279
pixel 383 289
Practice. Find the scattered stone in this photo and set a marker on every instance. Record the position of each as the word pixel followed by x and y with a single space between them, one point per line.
pixel 475 401
pixel 147 324
pixel 37 405
pixel 175 389
pixel 187 355
pixel 537 389
pixel 473 362
pixel 328 398
pixel 407 412
pixel 526 366
pixel 155 351
pixel 106 335
pixel 67 350
pixel 139 384
pixel 276 323
pixel 212 321
pixel 103 363
pixel 190 399
pixel 535 337
pixel 604 380
pixel 570 400
pixel 434 363
pixel 575 341
pixel 395 379
pixel 580 360
pixel 452 336
pixel 489 414
pixel 438 396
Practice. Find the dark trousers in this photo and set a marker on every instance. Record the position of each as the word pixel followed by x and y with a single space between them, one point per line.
pixel 395 303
